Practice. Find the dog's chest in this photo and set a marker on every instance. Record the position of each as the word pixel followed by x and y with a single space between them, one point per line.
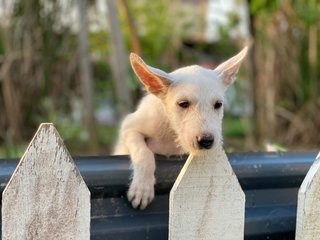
pixel 165 145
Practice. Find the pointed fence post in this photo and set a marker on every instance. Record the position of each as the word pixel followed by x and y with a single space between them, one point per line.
pixel 206 201
pixel 46 197
pixel 308 212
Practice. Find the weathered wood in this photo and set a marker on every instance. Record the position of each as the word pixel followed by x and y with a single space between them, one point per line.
pixel 46 197
pixel 206 201
pixel 308 212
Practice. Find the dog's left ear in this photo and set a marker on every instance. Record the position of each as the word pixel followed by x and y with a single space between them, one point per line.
pixel 228 69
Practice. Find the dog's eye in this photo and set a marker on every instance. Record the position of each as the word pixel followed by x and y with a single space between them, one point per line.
pixel 184 104
pixel 217 105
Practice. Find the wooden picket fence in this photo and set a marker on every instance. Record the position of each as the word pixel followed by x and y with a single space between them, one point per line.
pixel 46 197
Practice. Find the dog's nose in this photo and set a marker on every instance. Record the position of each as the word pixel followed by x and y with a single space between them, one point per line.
pixel 205 141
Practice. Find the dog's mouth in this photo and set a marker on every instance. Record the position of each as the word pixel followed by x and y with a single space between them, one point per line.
pixel 203 151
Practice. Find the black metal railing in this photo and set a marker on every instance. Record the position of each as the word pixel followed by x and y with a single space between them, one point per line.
pixel 270 182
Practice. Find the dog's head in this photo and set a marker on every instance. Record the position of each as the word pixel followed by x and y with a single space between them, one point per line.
pixel 193 98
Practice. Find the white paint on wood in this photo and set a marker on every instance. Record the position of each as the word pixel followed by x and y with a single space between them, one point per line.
pixel 308 212
pixel 46 197
pixel 206 201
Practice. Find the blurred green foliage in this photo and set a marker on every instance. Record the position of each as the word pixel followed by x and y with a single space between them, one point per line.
pixel 45 71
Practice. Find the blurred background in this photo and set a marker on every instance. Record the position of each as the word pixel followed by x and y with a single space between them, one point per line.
pixel 66 62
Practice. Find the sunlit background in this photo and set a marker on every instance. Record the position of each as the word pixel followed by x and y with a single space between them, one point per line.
pixel 66 62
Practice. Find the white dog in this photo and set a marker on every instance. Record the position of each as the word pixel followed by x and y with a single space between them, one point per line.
pixel 182 114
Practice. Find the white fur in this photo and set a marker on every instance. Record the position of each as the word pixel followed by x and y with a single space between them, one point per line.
pixel 161 126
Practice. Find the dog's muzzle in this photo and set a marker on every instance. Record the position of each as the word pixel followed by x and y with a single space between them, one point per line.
pixel 205 141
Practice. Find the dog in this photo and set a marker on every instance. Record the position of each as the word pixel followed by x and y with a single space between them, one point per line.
pixel 182 113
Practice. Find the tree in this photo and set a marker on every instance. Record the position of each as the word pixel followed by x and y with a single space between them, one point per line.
pixel 86 74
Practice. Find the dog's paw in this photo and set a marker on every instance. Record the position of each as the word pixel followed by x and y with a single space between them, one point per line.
pixel 141 193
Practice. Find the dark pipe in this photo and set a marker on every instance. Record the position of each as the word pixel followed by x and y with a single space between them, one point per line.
pixel 109 176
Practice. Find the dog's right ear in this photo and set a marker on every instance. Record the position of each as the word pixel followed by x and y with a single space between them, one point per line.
pixel 228 69
pixel 155 80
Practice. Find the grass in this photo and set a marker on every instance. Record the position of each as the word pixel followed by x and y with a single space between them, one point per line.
pixel 235 127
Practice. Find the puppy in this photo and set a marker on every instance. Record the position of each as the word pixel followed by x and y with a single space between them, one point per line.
pixel 181 114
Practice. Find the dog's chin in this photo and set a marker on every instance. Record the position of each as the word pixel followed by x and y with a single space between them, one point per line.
pixel 203 152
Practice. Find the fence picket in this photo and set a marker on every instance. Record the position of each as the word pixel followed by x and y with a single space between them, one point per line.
pixel 46 197
pixel 308 210
pixel 206 201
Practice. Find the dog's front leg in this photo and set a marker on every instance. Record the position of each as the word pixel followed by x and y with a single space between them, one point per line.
pixel 141 190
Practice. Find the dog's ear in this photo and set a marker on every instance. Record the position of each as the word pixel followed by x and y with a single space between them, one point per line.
pixel 155 80
pixel 228 69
